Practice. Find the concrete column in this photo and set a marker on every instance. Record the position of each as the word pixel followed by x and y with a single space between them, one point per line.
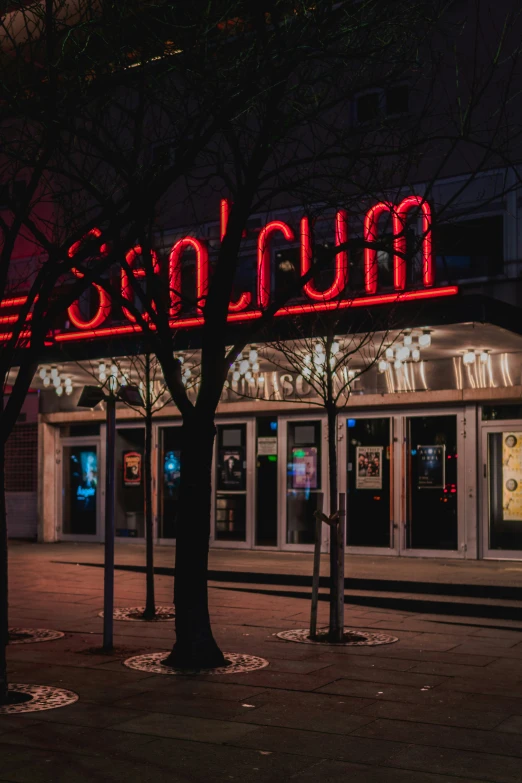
pixel 49 466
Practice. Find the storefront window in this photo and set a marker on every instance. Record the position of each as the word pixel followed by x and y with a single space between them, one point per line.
pixel 303 480
pixel 368 482
pixel 80 490
pixel 505 490
pixel 130 482
pixel 266 481
pixel 169 471
pixel 432 484
pixel 231 483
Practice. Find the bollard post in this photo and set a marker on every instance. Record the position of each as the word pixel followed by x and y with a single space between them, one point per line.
pixel 317 565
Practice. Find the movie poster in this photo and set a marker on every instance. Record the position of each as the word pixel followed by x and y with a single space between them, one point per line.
pixel 231 473
pixel 512 475
pixel 369 467
pixel 132 468
pixel 304 467
pixel 431 467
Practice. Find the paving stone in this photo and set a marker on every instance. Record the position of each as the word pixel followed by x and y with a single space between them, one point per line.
pixel 341 772
pixel 513 723
pixel 184 727
pixel 74 739
pixel 313 743
pixel 446 716
pixel 446 761
pixel 295 716
pixel 383 691
pixel 442 736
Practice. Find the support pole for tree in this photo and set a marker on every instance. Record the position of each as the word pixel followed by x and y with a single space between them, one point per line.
pixel 108 584
pixel 150 600
pixel 341 539
pixel 4 595
pixel 317 565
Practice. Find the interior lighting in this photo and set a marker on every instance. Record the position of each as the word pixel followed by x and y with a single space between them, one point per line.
pixel 43 372
pixel 389 353
pixel 397 364
pixel 408 339
pixel 54 372
pixel 403 353
pixel 425 339
pixel 47 381
pixel 383 365
pixel 59 390
pixel 236 375
pixel 469 357
pixel 415 355
pixel 335 347
pixel 484 356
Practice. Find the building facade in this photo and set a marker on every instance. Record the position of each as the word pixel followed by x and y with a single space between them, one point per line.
pixel 429 440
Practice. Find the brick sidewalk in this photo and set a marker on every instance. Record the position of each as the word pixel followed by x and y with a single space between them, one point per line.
pixel 442 704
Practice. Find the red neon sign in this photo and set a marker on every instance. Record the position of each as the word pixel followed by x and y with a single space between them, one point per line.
pixel 126 285
pixel 104 306
pixel 341 259
pixel 326 300
pixel 399 216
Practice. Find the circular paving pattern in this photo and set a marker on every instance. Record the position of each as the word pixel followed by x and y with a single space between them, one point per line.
pixel 367 640
pixel 164 614
pixel 42 697
pixel 153 663
pixel 31 635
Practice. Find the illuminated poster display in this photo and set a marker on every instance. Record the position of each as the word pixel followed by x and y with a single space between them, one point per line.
pixel 304 467
pixel 512 475
pixel 431 467
pixel 231 473
pixel 132 468
pixel 369 467
pixel 84 477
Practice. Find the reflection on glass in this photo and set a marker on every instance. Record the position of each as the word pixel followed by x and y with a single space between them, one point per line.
pixel 432 484
pixel 231 483
pixel 505 490
pixel 130 482
pixel 303 480
pixel 80 490
pixel 266 482
pixel 368 482
pixel 170 453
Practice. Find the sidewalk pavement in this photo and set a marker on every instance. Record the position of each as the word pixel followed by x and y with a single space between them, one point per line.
pixel 443 704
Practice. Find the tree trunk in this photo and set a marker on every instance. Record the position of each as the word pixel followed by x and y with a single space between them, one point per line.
pixel 150 601
pixel 4 598
pixel 336 628
pixel 195 647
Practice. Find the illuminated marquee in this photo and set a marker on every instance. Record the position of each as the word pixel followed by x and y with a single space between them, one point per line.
pixel 244 308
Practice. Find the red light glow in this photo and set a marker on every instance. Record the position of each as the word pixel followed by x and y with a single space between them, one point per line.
pixel 263 258
pixel 341 260
pixel 175 272
pixel 126 286
pixel 104 306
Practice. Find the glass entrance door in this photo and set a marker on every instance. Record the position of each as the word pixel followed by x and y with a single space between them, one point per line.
pixel 502 490
pixel 369 483
pixel 81 495
pixel 431 461
pixel 304 480
pixel 233 484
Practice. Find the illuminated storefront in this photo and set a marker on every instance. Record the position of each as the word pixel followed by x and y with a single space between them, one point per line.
pixel 429 444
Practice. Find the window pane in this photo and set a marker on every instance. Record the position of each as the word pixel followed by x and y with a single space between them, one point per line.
pixel 231 483
pixel 469 248
pixel 505 490
pixel 303 480
pixel 169 467
pixel 367 107
pixel 369 475
pixel 80 490
pixel 130 483
pixel 431 465
pixel 266 481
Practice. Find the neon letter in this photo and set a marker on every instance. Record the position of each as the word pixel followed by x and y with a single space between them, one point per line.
pixel 175 272
pixel 263 258
pixel 341 259
pixel 245 298
pixel 104 307
pixel 371 221
pixel 126 287
pixel 399 224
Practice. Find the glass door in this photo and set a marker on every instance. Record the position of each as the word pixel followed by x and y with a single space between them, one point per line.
pixel 502 490
pixel 233 484
pixel 366 457
pixel 432 501
pixel 80 490
pixel 169 448
pixel 129 509
pixel 304 480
